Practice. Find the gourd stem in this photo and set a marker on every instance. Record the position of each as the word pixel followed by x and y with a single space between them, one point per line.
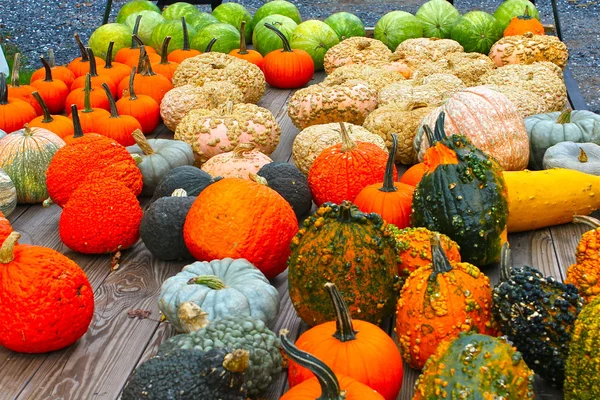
pixel 114 113
pixel 47 116
pixel 93 69
pixel 78 131
pixel 179 193
pixel 564 117
pixel 243 49
pixel 142 54
pixel 3 90
pixel 344 331
pixel 526 14
pixel 147 71
pixel 84 54
pixel 253 177
pixel 8 247
pixel 87 88
pixel 186 38
pixel 212 281
pixel 345 214
pixel 330 387
pixel 582 156
pixel 165 50
pixel 136 27
pixel 505 262
pixel 388 176
pixel 438 133
pixel 141 141
pixel 236 361
pixel 210 44
pixel 347 142
pixel 14 77
pixel 440 262
pixel 109 51
pixel 241 148
pixel 48 77
pixel 286 43
pixel 51 59
pixel 132 95
pixel 587 220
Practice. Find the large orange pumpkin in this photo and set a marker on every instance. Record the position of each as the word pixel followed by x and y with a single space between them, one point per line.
pixel 241 218
pixel 46 301
pixel 438 302
pixel 341 171
pixel 353 348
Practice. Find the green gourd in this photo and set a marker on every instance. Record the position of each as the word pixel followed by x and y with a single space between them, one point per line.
pixel 8 194
pixel 583 157
pixel 287 180
pixel 187 177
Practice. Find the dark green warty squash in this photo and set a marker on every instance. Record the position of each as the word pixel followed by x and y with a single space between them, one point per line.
pixel 353 250
pixel 287 180
pixel 161 228
pixel 475 367
pixel 537 314
pixel 237 332
pixel 582 371
pixel 190 375
pixel 189 178
pixel 462 195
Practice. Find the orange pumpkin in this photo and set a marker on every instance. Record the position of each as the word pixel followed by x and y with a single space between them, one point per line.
pixel 88 98
pixel 96 80
pixel 264 223
pixel 14 113
pixel 413 175
pixel 77 130
pixel 392 200
pixel 53 91
pixel 130 55
pixel 351 348
pixel 58 71
pixel 137 54
pixel 524 23
pixel 165 67
pixel 22 92
pixel 46 301
pixel 325 385
pixel 115 126
pixel 81 65
pixel 146 81
pixel 179 55
pixel 438 302
pixel 143 108
pixel 251 56
pixel 341 171
pixel 112 69
pixel 585 273
pixel 58 124
pixel 5 228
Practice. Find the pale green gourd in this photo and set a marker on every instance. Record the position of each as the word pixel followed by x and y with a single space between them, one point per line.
pixel 8 194
pixel 584 157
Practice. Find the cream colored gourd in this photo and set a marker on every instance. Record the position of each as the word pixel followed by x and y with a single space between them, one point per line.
pixel 431 89
pixel 583 157
pixel 376 78
pixel 356 50
pixel 469 67
pixel 529 48
pixel 244 160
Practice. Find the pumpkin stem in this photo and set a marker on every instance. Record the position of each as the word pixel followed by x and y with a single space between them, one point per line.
pixel 93 68
pixel 78 131
pixel 109 51
pixel 191 317
pixel 347 142
pixel 505 262
pixel 48 77
pixel 8 247
pixel 286 43
pixel 87 88
pixel 141 141
pixel 3 90
pixel 241 148
pixel 132 95
pixel 47 116
pixel 136 27
pixel 440 261
pixel 439 133
pixel 564 117
pixel 210 44
pixel 186 37
pixel 142 54
pixel 27 130
pixel 84 54
pixel 14 81
pixel 179 193
pixel 345 211
pixel 47 203
pixel 243 49
pixel 212 281
pixel 585 219
pixel 526 14
pixel 51 59
pixel 236 361
pixel 388 176
pixel 147 70
pixel 344 331
pixel 253 177
pixel 114 113
pixel 582 156
pixel 330 387
pixel 165 50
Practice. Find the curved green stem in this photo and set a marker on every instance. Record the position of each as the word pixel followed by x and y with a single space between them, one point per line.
pixel 345 211
pixel 347 142
pixel 212 281
pixel 93 69
pixel 3 90
pixel 186 37
pixel 344 331
pixel 243 48
pixel 388 176
pixel 47 116
pixel 109 51
pixel 165 50
pixel 136 27
pixel 439 133
pixel 132 95
pixel 87 103
pixel 48 77
pixel 286 43
pixel 564 117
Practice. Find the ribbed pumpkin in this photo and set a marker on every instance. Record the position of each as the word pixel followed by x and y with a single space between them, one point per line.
pixel 325 385
pixel 8 194
pixel 5 227
pixel 392 200
pixel 97 81
pixel 414 174
pixel 489 120
pixel 22 92
pixel 46 301
pixel 264 224
pixel 115 126
pixel 53 91
pixel 81 65
pixel 353 348
pixel 245 159
pixel 343 245
pixel 146 81
pixel 585 273
pixel 14 113
pixel 437 302
pixel 58 71
pixel 463 195
pixel 116 71
pixel 185 52
pixel 164 66
pixel 58 124
pixel 341 171
pixel 143 108
pixel 24 156
pixel 92 103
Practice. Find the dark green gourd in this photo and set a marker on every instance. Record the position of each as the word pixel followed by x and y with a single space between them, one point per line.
pixel 287 180
pixel 189 178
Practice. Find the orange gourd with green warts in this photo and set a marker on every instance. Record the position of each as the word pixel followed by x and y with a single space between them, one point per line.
pixel 585 273
pixel 22 92
pixel 146 81
pixel 113 69
pixel 347 347
pixel 438 302
pixel 95 80
pixel 143 108
pixel 524 23
pixel 164 66
pixel 53 91
pixel 58 124
pixel 392 200
pixel 81 65
pixel 115 126
pixel 92 103
pixel 5 227
pixel 130 55
pixel 341 171
pixel 58 71
pixel 251 56
pixel 14 113
pixel 185 52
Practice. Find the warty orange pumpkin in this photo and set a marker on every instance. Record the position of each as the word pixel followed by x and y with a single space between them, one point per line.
pixel 5 228
pixel 585 273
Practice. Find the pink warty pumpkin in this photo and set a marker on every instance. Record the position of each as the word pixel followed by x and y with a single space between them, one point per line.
pixel 239 163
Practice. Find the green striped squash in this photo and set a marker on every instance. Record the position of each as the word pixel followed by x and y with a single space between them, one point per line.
pixel 8 194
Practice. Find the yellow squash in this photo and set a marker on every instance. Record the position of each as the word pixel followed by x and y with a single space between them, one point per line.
pixel 537 199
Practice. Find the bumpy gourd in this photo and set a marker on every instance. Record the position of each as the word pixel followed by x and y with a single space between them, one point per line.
pixel 537 314
pixel 585 273
pixel 528 48
pixel 189 178
pixel 356 50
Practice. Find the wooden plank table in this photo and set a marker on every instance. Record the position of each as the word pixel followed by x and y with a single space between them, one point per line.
pixel 98 365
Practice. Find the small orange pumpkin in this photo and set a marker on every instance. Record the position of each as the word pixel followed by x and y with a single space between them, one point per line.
pixel 81 65
pixel 524 23
pixel 413 175
pixel 251 56
pixel 14 113
pixel 115 126
pixel 146 81
pixel 93 104
pixel 143 108
pixel 58 71
pixel 179 55
pixel 5 228
pixel 77 130
pixel 58 124
pixel 95 80
pixel 341 171
pixel 130 55
pixel 112 69
pixel 165 67
pixel 53 91
pixel 22 92
pixel 585 273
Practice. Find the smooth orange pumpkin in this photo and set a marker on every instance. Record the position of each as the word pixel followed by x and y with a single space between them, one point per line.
pixel 522 24
pixel 143 108
pixel 58 71
pixel 95 79
pixel 112 69
pixel 77 130
pixel 251 56
pixel 413 175
pixel 87 97
pixel 130 55
pixel 115 126
pixel 392 200
pixel 341 171
pixel 14 113
pixel 58 124
pixel 81 65
pixel 165 67
pixel 146 81
pixel 185 52
pixel 22 92
pixel 354 348
pixel 53 91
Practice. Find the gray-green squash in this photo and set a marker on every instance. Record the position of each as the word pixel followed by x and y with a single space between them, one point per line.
pixel 158 157
pixel 584 157
pixel 546 130
pixel 8 194
pixel 204 291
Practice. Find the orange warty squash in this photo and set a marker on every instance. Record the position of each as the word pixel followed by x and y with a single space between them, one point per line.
pixel 392 200
pixel 58 71
pixel 5 228
pixel 46 301
pixel 22 92
pixel 115 126
pixel 524 23
pixel 81 65
pixel 413 175
pixel 341 171
pixel 143 108
pixel 58 124
pixel 355 348
pixel 585 273
pixel 14 113
pixel 264 222
pixel 438 302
